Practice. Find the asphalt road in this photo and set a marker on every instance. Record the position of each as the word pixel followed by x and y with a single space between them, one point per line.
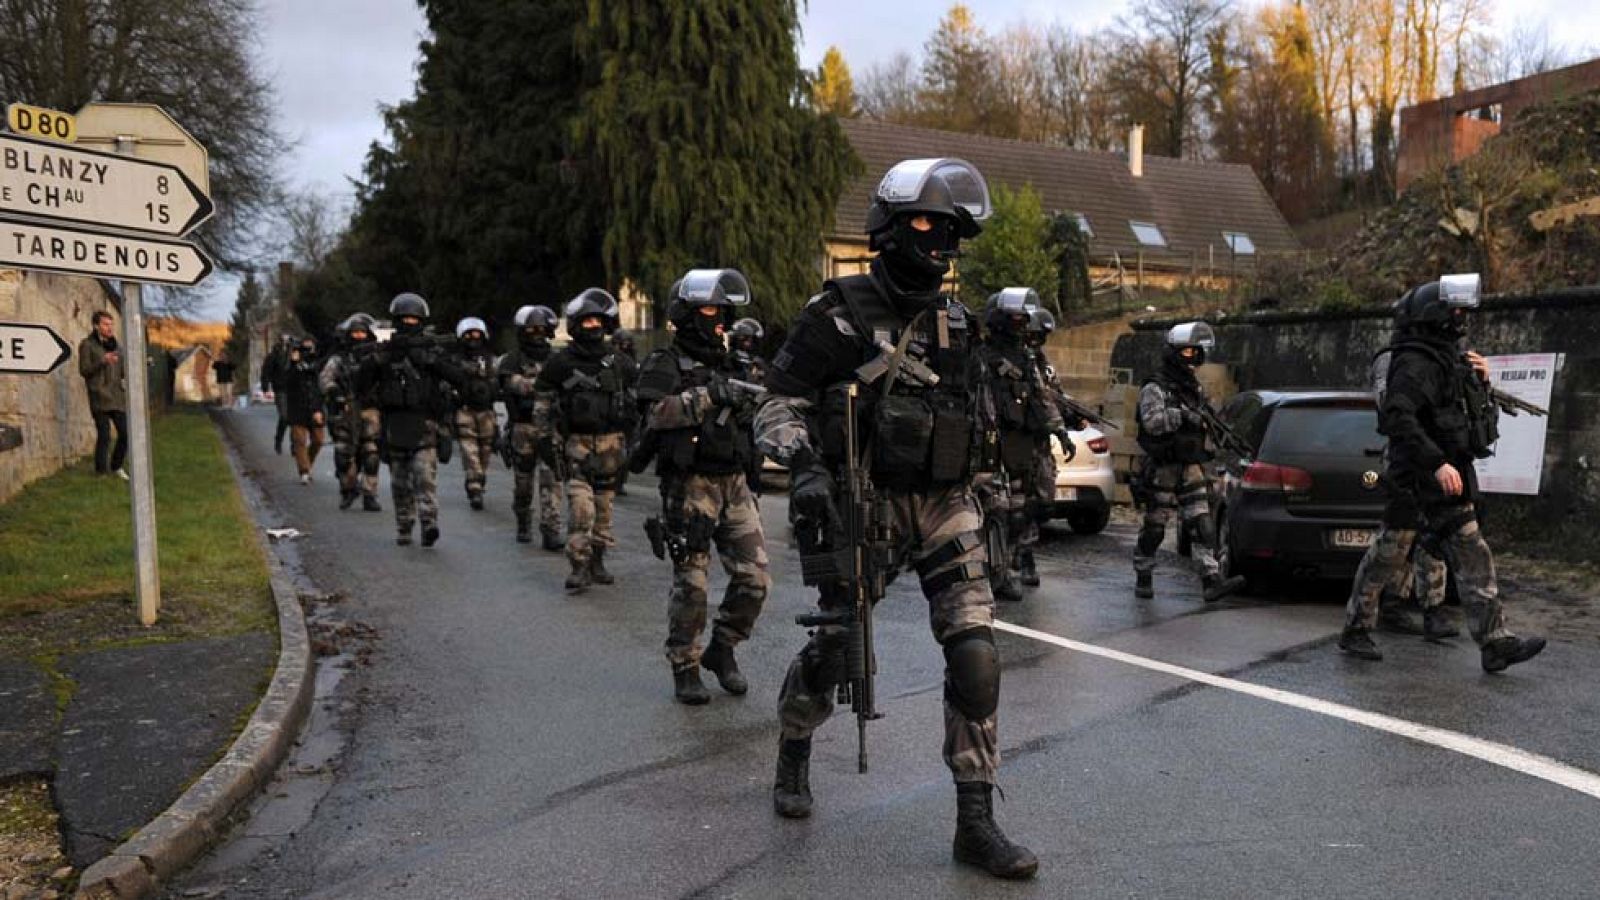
pixel 508 740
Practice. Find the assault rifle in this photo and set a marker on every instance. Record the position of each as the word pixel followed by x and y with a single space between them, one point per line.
pixel 1514 406
pixel 1072 410
pixel 858 555
pixel 1226 438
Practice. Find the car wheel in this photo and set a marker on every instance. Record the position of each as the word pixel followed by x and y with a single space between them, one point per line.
pixel 1089 521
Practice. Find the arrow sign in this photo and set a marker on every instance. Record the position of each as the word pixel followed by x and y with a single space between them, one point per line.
pixel 50 181
pixel 78 251
pixel 31 349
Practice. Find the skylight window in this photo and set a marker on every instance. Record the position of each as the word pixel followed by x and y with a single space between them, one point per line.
pixel 1148 234
pixel 1239 242
pixel 1083 224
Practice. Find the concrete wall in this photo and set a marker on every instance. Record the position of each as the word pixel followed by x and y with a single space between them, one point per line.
pixel 50 411
pixel 1287 350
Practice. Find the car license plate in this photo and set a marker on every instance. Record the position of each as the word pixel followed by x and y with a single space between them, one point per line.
pixel 1353 537
pixel 1066 493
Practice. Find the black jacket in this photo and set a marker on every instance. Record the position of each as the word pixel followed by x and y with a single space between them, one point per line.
pixel 1424 416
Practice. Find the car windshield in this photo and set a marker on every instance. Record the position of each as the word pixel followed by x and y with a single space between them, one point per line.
pixel 1323 430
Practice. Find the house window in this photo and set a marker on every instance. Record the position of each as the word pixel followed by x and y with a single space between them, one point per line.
pixel 1148 234
pixel 1083 224
pixel 1239 242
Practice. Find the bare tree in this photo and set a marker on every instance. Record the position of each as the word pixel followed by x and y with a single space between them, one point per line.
pixel 192 57
pixel 1159 72
pixel 889 90
pixel 1077 104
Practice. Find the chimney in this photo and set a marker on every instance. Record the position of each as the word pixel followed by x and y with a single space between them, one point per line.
pixel 1136 151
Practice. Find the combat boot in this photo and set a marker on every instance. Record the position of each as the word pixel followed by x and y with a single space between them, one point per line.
pixel 687 688
pixel 1029 572
pixel 791 790
pixel 551 539
pixel 1437 624
pixel 371 504
pixel 1215 587
pixel 579 580
pixel 1508 651
pixel 475 500
pixel 980 842
pixel 524 527
pixel 1007 589
pixel 1395 619
pixel 718 660
pixel 1143 586
pixel 1358 643
pixel 404 538
pixel 597 567
pixel 347 499
pixel 430 534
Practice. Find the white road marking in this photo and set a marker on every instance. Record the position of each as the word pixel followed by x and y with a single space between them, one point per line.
pixel 1514 758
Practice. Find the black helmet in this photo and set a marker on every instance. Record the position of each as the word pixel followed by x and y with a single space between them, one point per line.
pixel 1041 322
pixel 1196 336
pixel 536 316
pixel 408 304
pixel 359 322
pixel 593 302
pixel 699 290
pixel 748 328
pixel 954 198
pixel 1009 312
pixel 1439 306
pixel 470 324
pixel 622 339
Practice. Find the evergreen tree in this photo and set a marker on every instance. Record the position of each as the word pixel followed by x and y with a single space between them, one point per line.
pixel 475 201
pixel 238 345
pixel 1014 250
pixel 959 90
pixel 834 91
pixel 699 136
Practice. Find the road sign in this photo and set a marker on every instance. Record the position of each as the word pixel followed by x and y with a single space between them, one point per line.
pixel 40 122
pixel 78 251
pixel 48 181
pixel 31 349
pixel 146 131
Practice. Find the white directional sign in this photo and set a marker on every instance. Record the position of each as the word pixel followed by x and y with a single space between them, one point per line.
pixel 77 251
pixel 51 181
pixel 31 349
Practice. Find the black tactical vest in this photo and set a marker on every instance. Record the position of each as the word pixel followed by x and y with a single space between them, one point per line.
pixel 720 445
pixel 593 396
pixel 920 434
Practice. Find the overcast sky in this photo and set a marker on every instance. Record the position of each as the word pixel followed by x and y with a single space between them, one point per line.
pixel 336 62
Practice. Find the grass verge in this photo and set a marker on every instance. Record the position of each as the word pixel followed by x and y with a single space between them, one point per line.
pixel 31 862
pixel 66 563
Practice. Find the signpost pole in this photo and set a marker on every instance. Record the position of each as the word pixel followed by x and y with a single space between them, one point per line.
pixel 147 575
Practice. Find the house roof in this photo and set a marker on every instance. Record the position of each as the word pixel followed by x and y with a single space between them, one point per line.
pixel 1192 203
pixel 182 356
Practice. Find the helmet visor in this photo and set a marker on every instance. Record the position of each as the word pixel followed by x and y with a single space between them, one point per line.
pixel 714 287
pixel 906 182
pixel 1193 334
pixel 1460 291
pixel 1017 301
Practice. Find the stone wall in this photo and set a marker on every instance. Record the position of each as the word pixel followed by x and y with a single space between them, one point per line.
pixel 51 412
pixel 1334 350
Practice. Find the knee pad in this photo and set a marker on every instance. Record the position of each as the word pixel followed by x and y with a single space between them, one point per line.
pixel 972 673
pixel 370 464
pixel 1203 530
pixel 822 661
pixel 527 464
pixel 1150 538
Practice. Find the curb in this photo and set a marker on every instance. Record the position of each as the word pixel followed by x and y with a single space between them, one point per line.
pixel 179 835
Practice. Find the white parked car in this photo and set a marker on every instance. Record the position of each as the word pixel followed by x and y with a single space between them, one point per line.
pixel 1086 485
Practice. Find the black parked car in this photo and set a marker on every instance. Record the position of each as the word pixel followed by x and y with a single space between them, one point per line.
pixel 1307 502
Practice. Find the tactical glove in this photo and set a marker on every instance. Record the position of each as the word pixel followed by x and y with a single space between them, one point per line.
pixel 811 492
pixel 1067 446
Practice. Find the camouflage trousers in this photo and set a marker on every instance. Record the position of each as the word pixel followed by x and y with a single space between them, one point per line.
pixel 531 473
pixel 355 451
pixel 475 431
pixel 939 534
pixel 1394 564
pixel 593 461
pixel 414 482
pixel 1043 494
pixel 726 501
pixel 1454 528
pixel 1182 489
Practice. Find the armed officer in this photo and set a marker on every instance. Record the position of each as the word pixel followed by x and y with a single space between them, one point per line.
pixel 519 369
pixel 580 400
pixel 1028 417
pixel 918 433
pixel 1173 432
pixel 622 341
pixel 1438 416
pixel 745 360
pixel 475 422
pixel 354 421
pixel 697 425
pixel 1041 324
pixel 408 375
